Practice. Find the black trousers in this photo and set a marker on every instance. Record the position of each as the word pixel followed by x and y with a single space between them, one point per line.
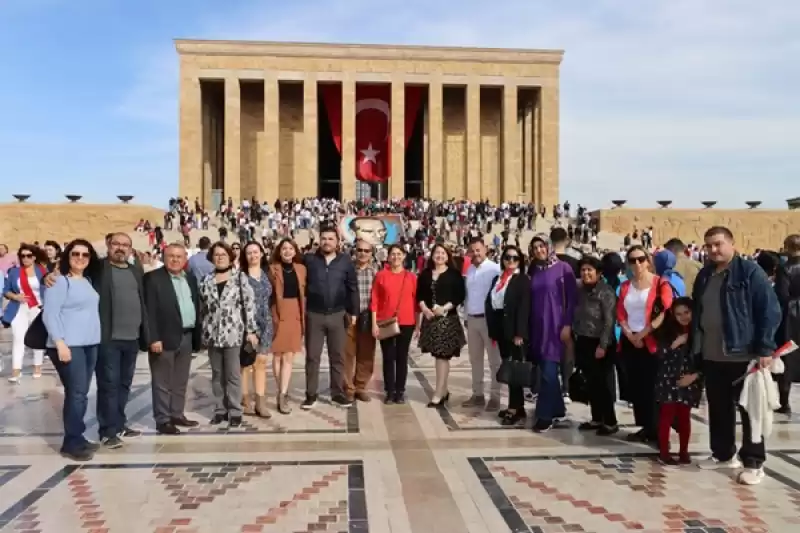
pixel 723 402
pixel 516 395
pixel 395 360
pixel 784 380
pixel 641 367
pixel 600 379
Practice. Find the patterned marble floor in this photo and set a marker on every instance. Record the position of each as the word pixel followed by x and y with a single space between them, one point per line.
pixel 369 468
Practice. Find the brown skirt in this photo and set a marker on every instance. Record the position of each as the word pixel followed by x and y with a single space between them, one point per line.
pixel 288 330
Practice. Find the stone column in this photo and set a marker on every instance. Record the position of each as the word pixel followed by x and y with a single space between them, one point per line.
pixel 208 137
pixel 435 140
pixel 233 142
pixel 473 158
pixel 511 156
pixel 191 138
pixel 536 126
pixel 397 183
pixel 308 187
pixel 527 157
pixel 267 184
pixel 548 144
pixel 348 139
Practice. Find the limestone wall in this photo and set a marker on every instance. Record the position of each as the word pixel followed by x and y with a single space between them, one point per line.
pixel 752 228
pixel 64 222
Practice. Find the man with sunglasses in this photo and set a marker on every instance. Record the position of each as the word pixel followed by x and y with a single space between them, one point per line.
pixel 359 354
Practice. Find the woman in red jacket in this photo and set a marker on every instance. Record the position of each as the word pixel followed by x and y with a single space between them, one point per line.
pixel 643 301
pixel 394 295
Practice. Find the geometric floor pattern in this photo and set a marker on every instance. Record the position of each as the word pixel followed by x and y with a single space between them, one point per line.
pixel 370 468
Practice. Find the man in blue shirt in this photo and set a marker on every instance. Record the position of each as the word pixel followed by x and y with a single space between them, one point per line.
pixel 199 265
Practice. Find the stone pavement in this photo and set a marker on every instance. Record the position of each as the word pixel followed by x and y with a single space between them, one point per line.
pixel 369 468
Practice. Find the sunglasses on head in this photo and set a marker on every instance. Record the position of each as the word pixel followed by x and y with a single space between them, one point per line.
pixel 82 255
pixel 638 259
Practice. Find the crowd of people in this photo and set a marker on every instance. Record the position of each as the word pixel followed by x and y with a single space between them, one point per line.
pixel 655 326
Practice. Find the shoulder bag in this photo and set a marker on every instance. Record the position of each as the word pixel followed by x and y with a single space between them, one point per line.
pixel 516 371
pixel 247 353
pixel 390 327
pixel 37 334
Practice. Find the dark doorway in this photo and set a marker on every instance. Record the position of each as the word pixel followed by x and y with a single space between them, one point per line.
pixel 329 160
pixel 415 157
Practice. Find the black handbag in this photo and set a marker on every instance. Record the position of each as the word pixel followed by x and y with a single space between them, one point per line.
pixel 515 372
pixel 247 353
pixel 579 387
pixel 36 336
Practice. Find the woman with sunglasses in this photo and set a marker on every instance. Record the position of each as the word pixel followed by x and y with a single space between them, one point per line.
pixel 72 317
pixel 643 301
pixel 22 288
pixel 507 320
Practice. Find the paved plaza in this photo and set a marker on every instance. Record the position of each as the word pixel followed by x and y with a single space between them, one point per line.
pixel 369 468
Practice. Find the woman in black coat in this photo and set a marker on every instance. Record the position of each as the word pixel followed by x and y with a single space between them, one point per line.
pixel 507 319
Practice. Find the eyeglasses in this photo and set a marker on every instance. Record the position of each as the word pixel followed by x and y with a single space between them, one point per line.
pixel 121 244
pixel 638 259
pixel 363 250
pixel 514 258
pixel 80 255
pixel 26 256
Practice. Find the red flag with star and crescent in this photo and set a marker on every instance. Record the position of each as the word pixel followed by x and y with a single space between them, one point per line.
pixel 373 132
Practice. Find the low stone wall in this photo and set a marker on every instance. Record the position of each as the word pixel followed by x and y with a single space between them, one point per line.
pixel 24 222
pixel 752 228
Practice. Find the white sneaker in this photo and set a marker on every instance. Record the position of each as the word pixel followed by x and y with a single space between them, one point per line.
pixel 712 463
pixel 567 399
pixel 13 379
pixel 750 476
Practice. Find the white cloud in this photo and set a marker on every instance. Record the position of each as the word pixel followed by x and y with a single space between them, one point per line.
pixel 687 93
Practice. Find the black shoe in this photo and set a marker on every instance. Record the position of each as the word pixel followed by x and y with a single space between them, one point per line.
pixel 667 460
pixel 512 419
pixel 130 433
pixel 441 403
pixel 184 422
pixel 219 419
pixel 112 443
pixel 236 421
pixel 92 446
pixel 542 426
pixel 167 428
pixel 309 403
pixel 784 410
pixel 639 436
pixel 590 426
pixel 502 413
pixel 607 431
pixel 341 400
pixel 400 398
pixel 388 399
pixel 82 455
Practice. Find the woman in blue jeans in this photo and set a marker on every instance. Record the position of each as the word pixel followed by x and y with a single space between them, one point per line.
pixel 72 319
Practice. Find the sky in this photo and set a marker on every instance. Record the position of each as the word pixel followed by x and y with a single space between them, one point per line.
pixel 687 100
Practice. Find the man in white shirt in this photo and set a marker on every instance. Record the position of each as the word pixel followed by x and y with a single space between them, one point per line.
pixel 478 283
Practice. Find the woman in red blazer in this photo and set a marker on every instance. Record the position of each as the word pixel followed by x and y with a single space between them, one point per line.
pixel 643 300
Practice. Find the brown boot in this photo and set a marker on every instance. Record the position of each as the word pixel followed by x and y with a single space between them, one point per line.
pixel 261 407
pixel 247 406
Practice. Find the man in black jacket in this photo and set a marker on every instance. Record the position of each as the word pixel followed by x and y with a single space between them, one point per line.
pixel 787 285
pixel 173 311
pixel 331 306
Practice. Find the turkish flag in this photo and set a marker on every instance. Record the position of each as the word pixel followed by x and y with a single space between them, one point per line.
pixel 373 132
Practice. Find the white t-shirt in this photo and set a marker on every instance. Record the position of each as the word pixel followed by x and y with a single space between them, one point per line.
pixel 636 306
pixel 478 282
pixel 33 283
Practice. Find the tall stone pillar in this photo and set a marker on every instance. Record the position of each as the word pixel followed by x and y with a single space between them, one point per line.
pixel 548 145
pixel 536 126
pixel 435 140
pixel 473 158
pixel 267 184
pixel 397 183
pixel 511 153
pixel 308 186
pixel 348 139
pixel 527 184
pixel 208 137
pixel 233 141
pixel 191 139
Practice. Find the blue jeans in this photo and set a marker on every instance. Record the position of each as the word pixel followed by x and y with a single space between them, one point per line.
pixel 116 364
pixel 550 402
pixel 76 376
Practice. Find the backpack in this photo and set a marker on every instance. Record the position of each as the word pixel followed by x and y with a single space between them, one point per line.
pixel 676 283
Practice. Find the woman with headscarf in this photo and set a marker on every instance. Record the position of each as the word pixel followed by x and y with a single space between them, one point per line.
pixel 553 292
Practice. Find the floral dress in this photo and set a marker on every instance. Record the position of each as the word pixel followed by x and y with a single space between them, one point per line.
pixel 262 289
pixel 674 363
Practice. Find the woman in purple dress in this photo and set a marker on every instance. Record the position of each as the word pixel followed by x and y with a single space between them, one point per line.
pixel 553 293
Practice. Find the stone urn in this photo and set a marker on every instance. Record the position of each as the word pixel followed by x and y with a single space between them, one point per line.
pixel 752 204
pixel 73 198
pixel 21 197
pixel 618 203
pixel 709 203
pixel 125 198
pixel 664 203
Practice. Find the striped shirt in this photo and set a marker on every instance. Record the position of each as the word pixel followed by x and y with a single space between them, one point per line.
pixel 365 276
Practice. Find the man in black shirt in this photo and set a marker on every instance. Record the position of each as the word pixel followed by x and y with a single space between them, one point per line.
pixel 332 304
pixel 560 240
